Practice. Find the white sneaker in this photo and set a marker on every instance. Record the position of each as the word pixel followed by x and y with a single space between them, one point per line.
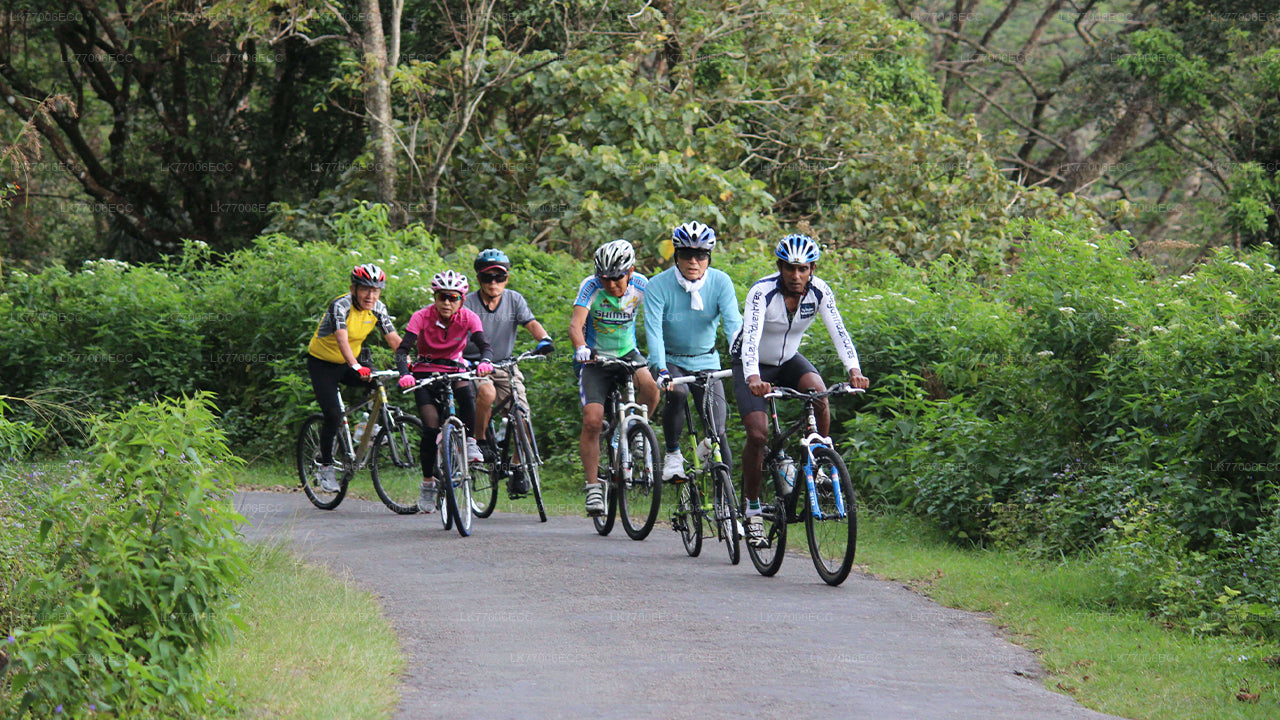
pixel 328 482
pixel 755 532
pixel 672 466
pixel 427 497
pixel 473 451
pixel 595 500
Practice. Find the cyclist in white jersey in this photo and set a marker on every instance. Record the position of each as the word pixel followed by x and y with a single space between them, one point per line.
pixel 779 308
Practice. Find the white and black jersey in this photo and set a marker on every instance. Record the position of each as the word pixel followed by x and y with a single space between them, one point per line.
pixel 771 336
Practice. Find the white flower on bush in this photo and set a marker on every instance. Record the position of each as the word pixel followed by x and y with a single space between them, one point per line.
pixel 1269 267
pixel 1232 324
pixel 1092 245
pixel 1067 310
pixel 1045 353
pixel 1237 263
pixel 1119 302
pixel 1157 328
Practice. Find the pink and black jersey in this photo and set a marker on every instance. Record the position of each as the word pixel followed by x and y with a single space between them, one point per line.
pixel 439 343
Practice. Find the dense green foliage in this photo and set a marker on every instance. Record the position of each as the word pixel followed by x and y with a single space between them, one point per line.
pixel 1076 403
pixel 117 579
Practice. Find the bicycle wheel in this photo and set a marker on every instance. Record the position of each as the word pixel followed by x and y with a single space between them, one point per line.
pixel 641 489
pixel 484 485
pixel 307 454
pixel 768 559
pixel 688 519
pixel 396 469
pixel 833 535
pixel 604 523
pixel 529 462
pixel 457 489
pixel 726 512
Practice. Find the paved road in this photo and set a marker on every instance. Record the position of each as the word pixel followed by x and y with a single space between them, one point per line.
pixel 526 620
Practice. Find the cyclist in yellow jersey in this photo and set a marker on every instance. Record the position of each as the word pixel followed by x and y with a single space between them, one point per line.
pixel 335 353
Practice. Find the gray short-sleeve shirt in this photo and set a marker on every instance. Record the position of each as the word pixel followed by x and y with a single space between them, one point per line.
pixel 500 324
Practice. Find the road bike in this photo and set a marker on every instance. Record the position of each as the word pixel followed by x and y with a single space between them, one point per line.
pixel 819 492
pixel 514 453
pixel 385 438
pixel 706 503
pixel 453 474
pixel 630 469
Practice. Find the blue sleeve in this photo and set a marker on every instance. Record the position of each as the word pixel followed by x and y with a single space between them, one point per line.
pixel 730 316
pixel 654 309
pixel 586 291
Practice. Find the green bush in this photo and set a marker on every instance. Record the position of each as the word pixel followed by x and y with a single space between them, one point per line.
pixel 132 568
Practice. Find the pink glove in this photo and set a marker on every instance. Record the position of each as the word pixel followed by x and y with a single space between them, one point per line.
pixel 484 368
pixel 365 371
pixel 407 381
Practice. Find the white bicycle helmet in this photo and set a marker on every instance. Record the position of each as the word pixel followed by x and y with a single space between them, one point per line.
pixel 449 281
pixel 614 259
pixel 797 250
pixel 694 235
pixel 368 275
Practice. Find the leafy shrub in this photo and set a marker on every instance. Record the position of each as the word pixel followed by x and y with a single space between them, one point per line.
pixel 135 559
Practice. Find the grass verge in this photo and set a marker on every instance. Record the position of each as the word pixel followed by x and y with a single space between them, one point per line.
pixel 313 646
pixel 1118 662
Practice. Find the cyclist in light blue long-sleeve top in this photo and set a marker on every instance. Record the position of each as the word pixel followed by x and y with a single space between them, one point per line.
pixel 683 306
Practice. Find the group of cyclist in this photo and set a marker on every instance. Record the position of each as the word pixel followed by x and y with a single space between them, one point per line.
pixel 683 305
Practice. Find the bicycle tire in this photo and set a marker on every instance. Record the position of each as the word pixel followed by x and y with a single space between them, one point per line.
pixel 725 506
pixel 768 560
pixel 605 471
pixel 484 486
pixel 396 465
pixel 640 495
pixel 525 442
pixel 307 457
pixel 833 540
pixel 456 487
pixel 688 517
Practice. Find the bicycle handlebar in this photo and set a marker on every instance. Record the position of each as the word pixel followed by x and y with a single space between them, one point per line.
pixel 837 389
pixel 701 376
pixel 522 357
pixel 616 362
pixel 437 379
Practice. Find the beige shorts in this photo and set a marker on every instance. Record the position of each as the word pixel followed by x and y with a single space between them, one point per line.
pixel 503 381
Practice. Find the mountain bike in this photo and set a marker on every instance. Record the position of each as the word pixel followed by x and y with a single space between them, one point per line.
pixel 453 475
pixel 819 492
pixel 385 438
pixel 516 452
pixel 630 469
pixel 694 512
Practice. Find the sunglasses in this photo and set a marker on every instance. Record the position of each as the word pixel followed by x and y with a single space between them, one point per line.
pixel 448 297
pixel 611 278
pixel 492 277
pixel 693 254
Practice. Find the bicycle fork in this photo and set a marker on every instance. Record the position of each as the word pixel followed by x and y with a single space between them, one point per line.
pixel 814 440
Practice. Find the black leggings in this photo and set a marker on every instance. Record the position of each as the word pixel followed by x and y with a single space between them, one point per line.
pixel 431 408
pixel 673 411
pixel 325 377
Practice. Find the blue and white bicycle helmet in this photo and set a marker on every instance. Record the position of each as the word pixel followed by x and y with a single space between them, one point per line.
pixel 492 257
pixel 694 235
pixel 797 250
pixel 614 259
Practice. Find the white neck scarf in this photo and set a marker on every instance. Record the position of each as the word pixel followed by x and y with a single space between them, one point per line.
pixel 695 299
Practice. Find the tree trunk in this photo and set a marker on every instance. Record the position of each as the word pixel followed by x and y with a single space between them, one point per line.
pixel 377 98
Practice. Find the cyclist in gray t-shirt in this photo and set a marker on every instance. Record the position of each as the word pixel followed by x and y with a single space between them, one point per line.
pixel 501 311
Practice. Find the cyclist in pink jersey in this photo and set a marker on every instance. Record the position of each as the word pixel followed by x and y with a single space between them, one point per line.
pixel 437 334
